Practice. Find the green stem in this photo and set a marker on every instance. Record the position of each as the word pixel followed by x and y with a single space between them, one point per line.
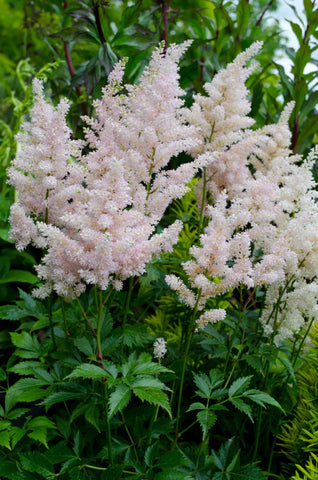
pixel 302 342
pixel 258 432
pixel 100 322
pixel 189 339
pixel 133 444
pixel 109 435
pixel 51 322
pixel 67 333
pixel 99 326
pixel 85 316
pixel 200 229
pixel 190 335
pixel 128 299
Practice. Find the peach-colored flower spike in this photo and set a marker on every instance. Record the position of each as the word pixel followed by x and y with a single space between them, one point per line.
pixel 96 214
pixel 263 217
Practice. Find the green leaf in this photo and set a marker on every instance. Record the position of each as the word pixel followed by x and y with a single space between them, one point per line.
pixel 207 419
pixel 297 31
pixel 239 385
pixel 242 406
pixel 196 406
pixel 5 439
pixel 39 435
pixel 88 371
pixel 25 390
pixel 12 312
pixel 253 361
pixel 149 368
pixel 22 276
pixel 84 346
pixel 16 435
pixel 58 397
pixel 151 454
pixel 40 422
pixel 37 462
pixel 147 381
pixel 136 336
pixel 171 460
pixel 59 453
pixel 262 398
pixel 203 383
pixel 28 342
pixel 92 414
pixel 154 396
pixel 107 58
pixel 119 399
pixel 16 413
pixel 9 470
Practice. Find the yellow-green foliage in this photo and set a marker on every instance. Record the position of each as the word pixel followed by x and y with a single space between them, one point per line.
pixel 310 471
pixel 299 437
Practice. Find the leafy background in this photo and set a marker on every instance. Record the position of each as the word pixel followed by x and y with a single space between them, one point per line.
pixel 53 416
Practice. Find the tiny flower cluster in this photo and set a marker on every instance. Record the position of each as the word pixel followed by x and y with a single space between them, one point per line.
pixel 263 217
pixel 95 215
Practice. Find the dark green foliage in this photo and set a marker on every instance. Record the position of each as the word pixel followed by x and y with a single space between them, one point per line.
pixel 70 411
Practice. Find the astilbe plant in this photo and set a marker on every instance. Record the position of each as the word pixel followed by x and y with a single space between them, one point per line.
pixel 95 208
pixel 260 208
pixel 95 215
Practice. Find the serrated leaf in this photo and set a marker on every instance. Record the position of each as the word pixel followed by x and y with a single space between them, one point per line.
pixel 253 361
pixel 88 371
pixel 25 368
pixel 40 422
pixel 26 390
pixel 250 472
pixel 58 397
pixel 16 413
pixel 151 453
pixel 37 462
pixel 5 439
pixel 149 368
pixel 242 406
pixel 219 393
pixel 12 312
pixel 262 398
pixel 216 378
pixel 39 435
pixel 153 396
pixel 202 381
pixel 119 399
pixel 3 375
pixel 287 364
pixel 59 453
pixel 92 414
pixel 196 406
pixel 9 469
pixel 239 385
pixel 207 419
pixel 16 435
pixel 136 336
pixel 172 459
pixel 147 381
pixel 25 341
pixel 84 346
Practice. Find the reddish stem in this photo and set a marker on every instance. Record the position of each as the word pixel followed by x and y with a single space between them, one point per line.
pixel 71 70
pixel 164 36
